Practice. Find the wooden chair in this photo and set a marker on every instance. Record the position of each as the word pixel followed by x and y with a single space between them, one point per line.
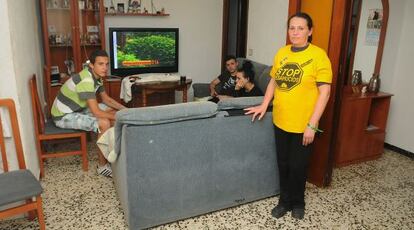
pixel 47 131
pixel 18 185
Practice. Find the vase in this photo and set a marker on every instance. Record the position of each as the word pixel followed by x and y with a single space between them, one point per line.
pixel 356 78
pixel 374 83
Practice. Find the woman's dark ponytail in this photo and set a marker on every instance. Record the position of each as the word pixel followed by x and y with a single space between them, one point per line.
pixel 247 69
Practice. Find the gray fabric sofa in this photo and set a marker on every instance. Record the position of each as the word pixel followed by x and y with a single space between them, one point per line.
pixel 183 160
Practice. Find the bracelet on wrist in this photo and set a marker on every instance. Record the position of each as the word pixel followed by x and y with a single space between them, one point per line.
pixel 314 128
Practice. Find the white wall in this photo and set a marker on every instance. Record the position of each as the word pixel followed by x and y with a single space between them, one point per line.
pixel 365 55
pixel 266 29
pixel 7 84
pixel 397 75
pixel 200 25
pixel 19 59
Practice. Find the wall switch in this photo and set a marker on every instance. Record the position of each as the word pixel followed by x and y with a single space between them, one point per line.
pixel 250 52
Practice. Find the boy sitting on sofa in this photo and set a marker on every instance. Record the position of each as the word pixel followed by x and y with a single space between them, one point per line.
pixel 76 106
pixel 227 80
pixel 238 82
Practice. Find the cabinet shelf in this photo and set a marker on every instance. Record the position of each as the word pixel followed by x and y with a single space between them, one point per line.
pixel 136 14
pixel 70 45
pixel 60 8
pixel 90 10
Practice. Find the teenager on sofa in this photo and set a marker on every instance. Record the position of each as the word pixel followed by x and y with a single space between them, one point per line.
pixel 300 85
pixel 227 80
pixel 245 86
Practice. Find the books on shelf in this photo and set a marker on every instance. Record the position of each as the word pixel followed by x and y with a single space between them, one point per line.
pixel 55 84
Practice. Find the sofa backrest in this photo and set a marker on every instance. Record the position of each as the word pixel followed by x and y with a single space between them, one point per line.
pixel 261 71
pixel 156 115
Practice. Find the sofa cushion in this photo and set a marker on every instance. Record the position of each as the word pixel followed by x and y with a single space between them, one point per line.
pixel 166 113
pixel 201 90
pixel 239 102
pixel 263 79
pixel 257 67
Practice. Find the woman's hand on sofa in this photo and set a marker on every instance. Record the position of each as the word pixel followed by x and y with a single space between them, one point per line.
pixel 255 111
pixel 261 109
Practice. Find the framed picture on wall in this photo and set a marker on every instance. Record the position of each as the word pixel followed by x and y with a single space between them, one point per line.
pixel 374 24
pixel 121 8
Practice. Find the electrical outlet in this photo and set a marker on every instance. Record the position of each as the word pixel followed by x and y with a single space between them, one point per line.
pixel 250 52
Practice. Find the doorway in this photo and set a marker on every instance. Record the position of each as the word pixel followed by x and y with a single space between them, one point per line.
pixel 235 18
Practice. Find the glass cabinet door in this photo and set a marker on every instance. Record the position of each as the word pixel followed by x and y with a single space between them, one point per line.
pixel 72 29
pixel 60 28
pixel 89 28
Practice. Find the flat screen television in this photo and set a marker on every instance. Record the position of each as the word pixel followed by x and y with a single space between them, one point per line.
pixel 143 50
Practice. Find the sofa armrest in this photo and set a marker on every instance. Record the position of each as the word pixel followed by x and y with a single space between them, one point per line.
pixel 239 102
pixel 201 90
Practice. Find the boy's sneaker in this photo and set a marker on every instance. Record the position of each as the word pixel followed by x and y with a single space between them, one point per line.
pixel 105 170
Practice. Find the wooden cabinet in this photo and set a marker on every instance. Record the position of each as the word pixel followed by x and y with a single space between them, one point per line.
pixel 113 89
pixel 72 29
pixel 362 125
pixel 160 93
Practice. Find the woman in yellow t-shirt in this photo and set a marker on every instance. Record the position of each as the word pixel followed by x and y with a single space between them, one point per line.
pixel 300 87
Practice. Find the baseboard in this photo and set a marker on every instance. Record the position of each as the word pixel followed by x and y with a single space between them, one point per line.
pixel 399 150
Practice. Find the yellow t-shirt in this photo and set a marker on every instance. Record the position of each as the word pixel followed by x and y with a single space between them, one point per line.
pixel 296 75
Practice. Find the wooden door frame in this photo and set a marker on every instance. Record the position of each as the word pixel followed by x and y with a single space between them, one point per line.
pixel 242 28
pixel 294 7
pixel 348 66
pixel 320 171
pixel 225 37
pixel 381 41
pixel 241 34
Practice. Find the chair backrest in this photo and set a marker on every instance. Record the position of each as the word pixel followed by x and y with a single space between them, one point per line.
pixel 38 116
pixel 9 105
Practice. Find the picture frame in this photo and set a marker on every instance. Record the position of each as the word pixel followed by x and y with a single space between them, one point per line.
pixel 51 29
pixel 121 8
pixel 134 6
pixel 112 10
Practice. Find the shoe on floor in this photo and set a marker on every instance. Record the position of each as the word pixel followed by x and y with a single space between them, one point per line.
pixel 298 213
pixel 279 211
pixel 105 170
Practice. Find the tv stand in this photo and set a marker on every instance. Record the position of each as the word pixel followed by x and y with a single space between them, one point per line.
pixel 148 94
pixel 158 93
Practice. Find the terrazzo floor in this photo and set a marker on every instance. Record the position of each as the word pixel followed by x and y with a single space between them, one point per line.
pixel 373 195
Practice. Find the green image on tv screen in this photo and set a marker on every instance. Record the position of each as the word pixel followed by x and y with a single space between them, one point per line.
pixel 145 49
